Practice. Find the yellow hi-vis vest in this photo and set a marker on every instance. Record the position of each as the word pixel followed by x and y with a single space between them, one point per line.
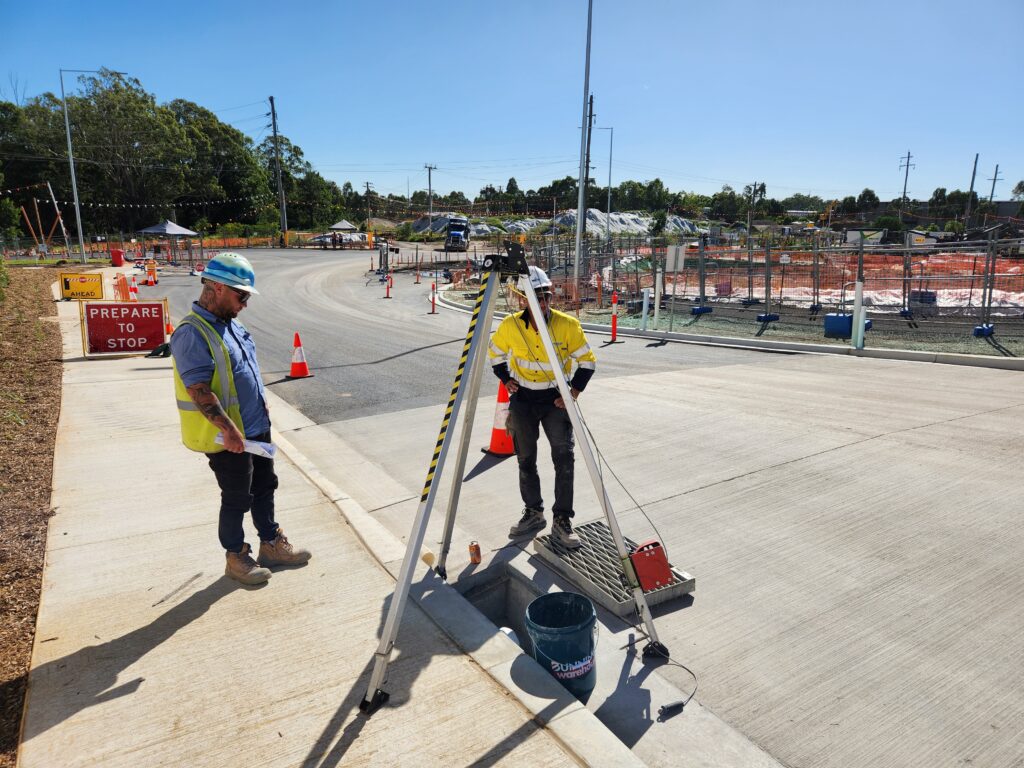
pixel 517 343
pixel 197 433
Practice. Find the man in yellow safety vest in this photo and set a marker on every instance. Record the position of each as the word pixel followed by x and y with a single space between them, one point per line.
pixel 223 411
pixel 518 358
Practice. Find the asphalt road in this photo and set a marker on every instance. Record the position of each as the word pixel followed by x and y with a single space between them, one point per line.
pixel 371 355
pixel 852 523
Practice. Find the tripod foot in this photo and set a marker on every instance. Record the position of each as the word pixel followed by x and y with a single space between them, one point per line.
pixel 655 650
pixel 372 704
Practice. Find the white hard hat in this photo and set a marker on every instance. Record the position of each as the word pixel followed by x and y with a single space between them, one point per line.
pixel 539 279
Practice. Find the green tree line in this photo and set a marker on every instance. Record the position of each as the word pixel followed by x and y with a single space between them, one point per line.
pixel 138 162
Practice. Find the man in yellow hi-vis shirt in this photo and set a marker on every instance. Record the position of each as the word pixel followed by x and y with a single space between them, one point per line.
pixel 519 360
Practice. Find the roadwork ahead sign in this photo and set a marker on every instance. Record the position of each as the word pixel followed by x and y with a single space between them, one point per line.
pixel 78 285
pixel 122 328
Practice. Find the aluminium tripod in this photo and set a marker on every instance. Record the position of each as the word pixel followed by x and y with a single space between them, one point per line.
pixel 495 267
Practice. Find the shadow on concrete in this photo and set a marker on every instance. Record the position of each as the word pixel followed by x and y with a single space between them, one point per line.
pixel 489 461
pixel 408 660
pixel 85 676
pixel 627 711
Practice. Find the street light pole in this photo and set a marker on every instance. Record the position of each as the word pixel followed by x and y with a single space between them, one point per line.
pixel 581 200
pixel 71 157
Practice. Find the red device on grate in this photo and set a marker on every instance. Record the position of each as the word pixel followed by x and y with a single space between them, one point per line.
pixel 651 565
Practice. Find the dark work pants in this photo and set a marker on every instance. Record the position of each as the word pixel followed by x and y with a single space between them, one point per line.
pixel 247 483
pixel 524 422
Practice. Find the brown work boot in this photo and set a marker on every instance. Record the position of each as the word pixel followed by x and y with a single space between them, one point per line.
pixel 532 520
pixel 562 533
pixel 241 567
pixel 281 552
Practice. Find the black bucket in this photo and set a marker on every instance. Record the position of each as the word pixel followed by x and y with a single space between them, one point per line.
pixel 563 632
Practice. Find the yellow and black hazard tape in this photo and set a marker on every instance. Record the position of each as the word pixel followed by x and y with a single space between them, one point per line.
pixel 484 281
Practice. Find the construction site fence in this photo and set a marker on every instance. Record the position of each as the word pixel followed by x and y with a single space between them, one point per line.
pixel 972 280
pixel 171 249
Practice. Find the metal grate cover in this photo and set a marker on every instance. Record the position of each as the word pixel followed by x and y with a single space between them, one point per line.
pixel 596 570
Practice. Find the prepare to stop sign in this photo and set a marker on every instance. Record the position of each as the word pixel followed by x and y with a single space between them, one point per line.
pixel 119 328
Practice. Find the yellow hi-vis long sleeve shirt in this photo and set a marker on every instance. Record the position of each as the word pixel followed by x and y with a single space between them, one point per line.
pixel 517 352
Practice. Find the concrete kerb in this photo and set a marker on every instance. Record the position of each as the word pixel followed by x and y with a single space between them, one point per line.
pixel 910 355
pixel 573 725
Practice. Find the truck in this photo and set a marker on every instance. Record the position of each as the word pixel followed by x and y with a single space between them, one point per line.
pixel 457 234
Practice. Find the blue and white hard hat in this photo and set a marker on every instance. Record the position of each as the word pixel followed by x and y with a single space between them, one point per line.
pixel 231 269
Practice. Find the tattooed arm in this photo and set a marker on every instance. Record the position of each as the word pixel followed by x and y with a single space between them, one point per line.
pixel 209 405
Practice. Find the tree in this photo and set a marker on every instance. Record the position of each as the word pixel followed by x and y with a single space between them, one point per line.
pixel 224 178
pixel 867 201
pixel 1018 190
pixel 512 187
pixel 891 223
pixel 658 223
pixel 799 202
pixel 656 196
pixel 725 204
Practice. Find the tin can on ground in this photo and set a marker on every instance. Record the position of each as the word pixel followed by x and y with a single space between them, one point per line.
pixel 474 552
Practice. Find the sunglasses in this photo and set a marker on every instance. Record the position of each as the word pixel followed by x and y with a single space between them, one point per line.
pixel 243 296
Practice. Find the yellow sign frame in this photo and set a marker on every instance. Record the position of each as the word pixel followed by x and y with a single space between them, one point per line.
pixel 93 282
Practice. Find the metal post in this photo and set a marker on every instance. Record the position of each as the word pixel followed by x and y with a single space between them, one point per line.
pixel 71 163
pixel 657 286
pixel 750 269
pixel 815 277
pixel 580 213
pixel 857 334
pixel 701 274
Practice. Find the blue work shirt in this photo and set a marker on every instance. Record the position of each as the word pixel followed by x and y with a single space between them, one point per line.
pixel 195 365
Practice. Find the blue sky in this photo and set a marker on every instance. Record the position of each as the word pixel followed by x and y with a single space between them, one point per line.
pixel 819 98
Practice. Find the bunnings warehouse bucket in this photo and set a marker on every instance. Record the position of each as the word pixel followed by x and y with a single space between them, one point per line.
pixel 563 631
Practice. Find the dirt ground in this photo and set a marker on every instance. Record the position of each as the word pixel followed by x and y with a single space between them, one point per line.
pixel 30 392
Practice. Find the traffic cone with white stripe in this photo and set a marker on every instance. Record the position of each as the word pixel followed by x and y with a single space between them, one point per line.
pixel 300 369
pixel 133 292
pixel 501 440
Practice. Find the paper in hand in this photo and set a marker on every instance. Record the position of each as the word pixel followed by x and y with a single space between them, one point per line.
pixel 255 447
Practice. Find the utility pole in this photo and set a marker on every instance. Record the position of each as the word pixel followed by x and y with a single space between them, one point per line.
pixel 277 164
pixel 994 179
pixel 750 210
pixel 970 194
pixel 586 176
pixel 430 194
pixel 369 188
pixel 905 164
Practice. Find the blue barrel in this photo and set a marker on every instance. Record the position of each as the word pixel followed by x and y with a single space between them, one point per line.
pixel 563 632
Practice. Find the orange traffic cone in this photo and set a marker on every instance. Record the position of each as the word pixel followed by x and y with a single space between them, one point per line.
pixel 150 277
pixel 169 328
pixel 300 370
pixel 134 290
pixel 501 441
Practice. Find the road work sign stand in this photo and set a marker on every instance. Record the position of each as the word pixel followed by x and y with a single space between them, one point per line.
pixel 494 269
